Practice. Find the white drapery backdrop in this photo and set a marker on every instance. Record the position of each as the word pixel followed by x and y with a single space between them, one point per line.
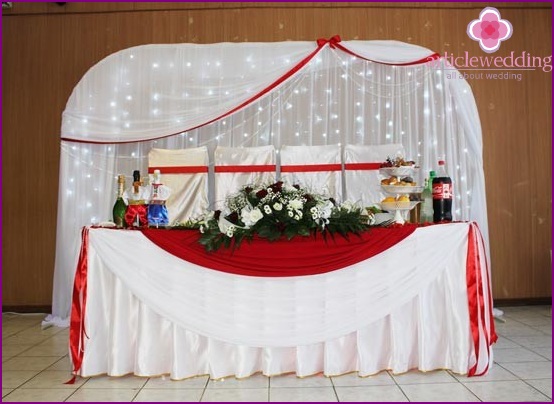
pixel 256 94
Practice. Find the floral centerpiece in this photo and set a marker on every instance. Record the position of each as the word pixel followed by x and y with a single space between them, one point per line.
pixel 278 211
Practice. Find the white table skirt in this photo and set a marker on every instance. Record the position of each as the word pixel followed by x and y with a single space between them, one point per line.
pixel 150 313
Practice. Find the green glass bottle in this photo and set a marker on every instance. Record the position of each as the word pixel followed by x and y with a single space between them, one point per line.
pixel 120 207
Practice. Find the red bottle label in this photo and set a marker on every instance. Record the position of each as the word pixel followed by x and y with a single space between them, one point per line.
pixel 442 191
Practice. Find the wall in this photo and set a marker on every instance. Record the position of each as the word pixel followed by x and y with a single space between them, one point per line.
pixel 47 48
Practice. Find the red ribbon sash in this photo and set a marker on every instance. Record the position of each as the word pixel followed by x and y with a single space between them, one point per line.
pixel 307 168
pixel 77 331
pixel 179 170
pixel 362 166
pixel 255 168
pixel 476 300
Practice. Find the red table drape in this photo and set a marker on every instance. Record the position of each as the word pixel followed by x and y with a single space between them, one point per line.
pixel 303 256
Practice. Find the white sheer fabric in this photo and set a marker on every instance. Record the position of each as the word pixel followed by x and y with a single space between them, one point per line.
pixel 327 181
pixel 150 313
pixel 227 183
pixel 364 185
pixel 144 92
pixel 189 191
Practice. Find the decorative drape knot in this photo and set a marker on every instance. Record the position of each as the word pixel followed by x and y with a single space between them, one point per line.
pixel 331 41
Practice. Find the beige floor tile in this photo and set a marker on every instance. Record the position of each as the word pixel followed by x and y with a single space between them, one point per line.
pixel 542 385
pixel 52 379
pixel 530 370
pixel 108 382
pixel 165 382
pixel 451 392
pixel 6 391
pixel 103 395
pixel 532 319
pixel 235 395
pixel 545 352
pixel 509 355
pixel 24 339
pixel 38 395
pixel 257 381
pixel 503 343
pixel 415 377
pixel 352 380
pixel 9 351
pixel 292 381
pixel 46 350
pixel 512 329
pixel 505 391
pixel 547 329
pixel 537 341
pixel 496 372
pixel 29 363
pixel 63 363
pixel 305 394
pixel 169 395
pixel 371 394
pixel 12 379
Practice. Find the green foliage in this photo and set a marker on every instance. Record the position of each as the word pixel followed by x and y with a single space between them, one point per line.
pixel 277 211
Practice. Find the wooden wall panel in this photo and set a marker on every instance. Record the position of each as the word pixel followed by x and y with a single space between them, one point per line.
pixel 48 48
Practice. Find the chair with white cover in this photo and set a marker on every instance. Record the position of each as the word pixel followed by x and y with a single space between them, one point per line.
pixel 317 168
pixel 235 167
pixel 361 171
pixel 185 171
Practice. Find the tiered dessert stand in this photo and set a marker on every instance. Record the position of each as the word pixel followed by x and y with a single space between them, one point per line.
pixel 400 208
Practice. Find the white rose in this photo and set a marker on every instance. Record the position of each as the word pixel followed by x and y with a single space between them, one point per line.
pixel 277 206
pixel 347 205
pixel 326 209
pixel 296 204
pixel 255 215
pixel 290 213
pixel 250 216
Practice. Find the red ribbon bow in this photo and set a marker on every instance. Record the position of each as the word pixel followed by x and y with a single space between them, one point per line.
pixel 331 41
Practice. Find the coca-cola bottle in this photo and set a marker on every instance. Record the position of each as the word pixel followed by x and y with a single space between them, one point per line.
pixel 442 195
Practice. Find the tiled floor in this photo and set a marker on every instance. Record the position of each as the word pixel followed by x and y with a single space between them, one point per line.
pixel 35 365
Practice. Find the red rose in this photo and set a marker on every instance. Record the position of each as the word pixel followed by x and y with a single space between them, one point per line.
pixel 261 194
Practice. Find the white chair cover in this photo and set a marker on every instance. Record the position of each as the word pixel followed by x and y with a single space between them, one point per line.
pixel 318 168
pixel 185 171
pixel 239 166
pixel 363 183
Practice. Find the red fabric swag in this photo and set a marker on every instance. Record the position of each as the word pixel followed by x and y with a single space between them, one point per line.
pixel 298 257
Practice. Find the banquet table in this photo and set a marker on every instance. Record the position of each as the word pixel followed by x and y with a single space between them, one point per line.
pixel 153 302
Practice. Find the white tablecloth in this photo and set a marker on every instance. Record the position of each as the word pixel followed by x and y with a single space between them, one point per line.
pixel 151 313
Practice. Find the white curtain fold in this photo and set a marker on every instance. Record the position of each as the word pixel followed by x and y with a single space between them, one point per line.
pixel 228 183
pixel 150 313
pixel 146 92
pixel 322 180
pixel 363 185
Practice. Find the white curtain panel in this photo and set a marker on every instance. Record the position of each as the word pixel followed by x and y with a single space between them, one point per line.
pixel 150 312
pixel 228 183
pixel 148 92
pixel 189 191
pixel 326 182
pixel 361 185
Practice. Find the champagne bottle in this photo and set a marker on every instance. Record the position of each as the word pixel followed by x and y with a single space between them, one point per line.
pixel 119 207
pixel 427 203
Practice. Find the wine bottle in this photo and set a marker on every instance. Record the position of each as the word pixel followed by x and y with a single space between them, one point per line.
pixel 119 207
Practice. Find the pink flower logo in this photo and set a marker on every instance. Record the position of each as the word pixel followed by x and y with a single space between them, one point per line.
pixel 489 29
